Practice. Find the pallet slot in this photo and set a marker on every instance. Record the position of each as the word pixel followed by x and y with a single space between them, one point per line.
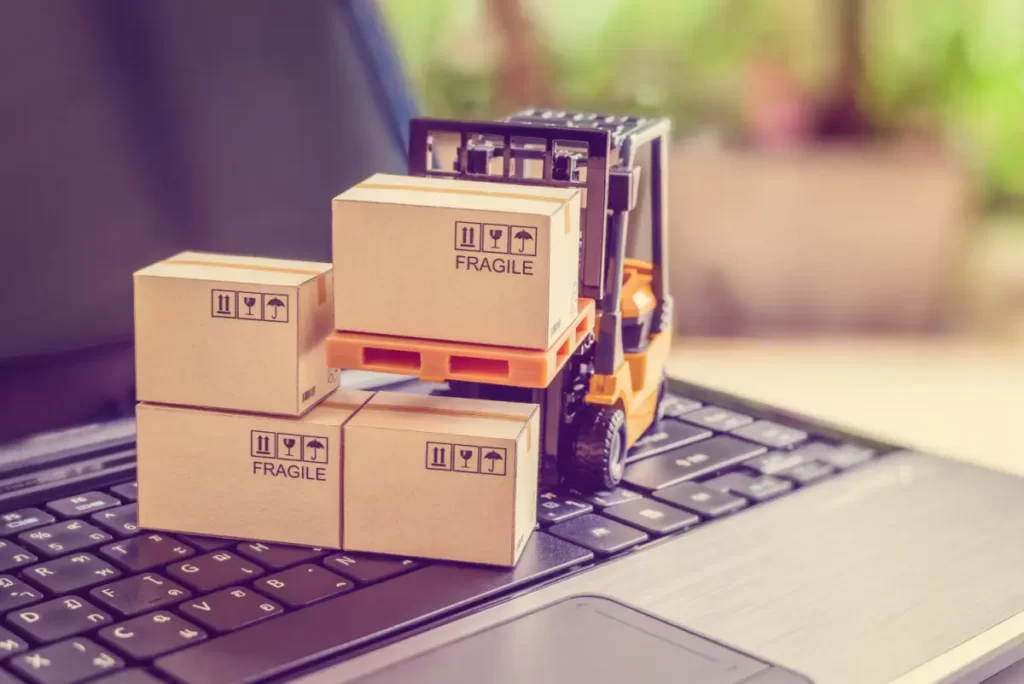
pixel 497 368
pixel 583 327
pixel 397 359
pixel 562 355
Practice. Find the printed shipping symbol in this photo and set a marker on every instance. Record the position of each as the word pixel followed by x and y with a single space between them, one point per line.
pixel 523 236
pixel 275 304
pixel 468 236
pixel 437 456
pixel 223 303
pixel 492 457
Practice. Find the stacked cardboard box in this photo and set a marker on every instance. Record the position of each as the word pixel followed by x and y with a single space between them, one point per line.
pixel 456 260
pixel 242 432
pixel 437 477
pixel 235 437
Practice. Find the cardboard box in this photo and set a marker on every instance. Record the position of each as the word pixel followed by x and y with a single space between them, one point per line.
pixel 245 475
pixel 456 260
pixel 441 478
pixel 236 333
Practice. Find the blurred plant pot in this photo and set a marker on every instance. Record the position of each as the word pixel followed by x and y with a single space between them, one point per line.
pixel 843 239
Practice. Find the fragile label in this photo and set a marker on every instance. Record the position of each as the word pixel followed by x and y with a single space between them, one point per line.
pixel 461 458
pixel 296 457
pixel 249 306
pixel 495 248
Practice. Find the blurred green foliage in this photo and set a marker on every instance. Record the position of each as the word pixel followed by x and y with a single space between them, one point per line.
pixel 953 69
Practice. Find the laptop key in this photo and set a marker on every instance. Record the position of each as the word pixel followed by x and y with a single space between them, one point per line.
pixel 71 573
pixel 652 517
pixel 303 585
pixel 675 406
pixel 128 491
pixel 24 519
pixel 357 617
pixel 599 534
pixel 770 434
pixel 58 618
pixel 757 489
pixel 809 472
pixel 146 552
pixel 122 521
pixel 82 504
pixel 230 609
pixel 716 418
pixel 149 636
pixel 215 570
pixel 703 501
pixel 67 662
pixel 843 456
pixel 13 556
pixel 205 544
pixel 64 537
pixel 604 498
pixel 553 507
pixel 140 593
pixel 14 593
pixel 278 556
pixel 366 568
pixel 775 462
pixel 666 435
pixel 688 463
pixel 11 643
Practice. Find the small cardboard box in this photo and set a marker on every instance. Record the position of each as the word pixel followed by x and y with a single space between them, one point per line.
pixel 441 478
pixel 245 475
pixel 235 333
pixel 457 260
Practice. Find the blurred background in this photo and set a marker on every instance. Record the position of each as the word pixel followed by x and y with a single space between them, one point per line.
pixel 841 166
pixel 846 181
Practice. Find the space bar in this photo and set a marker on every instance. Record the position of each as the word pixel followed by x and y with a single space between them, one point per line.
pixel 352 619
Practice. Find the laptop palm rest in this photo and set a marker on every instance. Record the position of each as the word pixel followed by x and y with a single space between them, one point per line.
pixel 582 638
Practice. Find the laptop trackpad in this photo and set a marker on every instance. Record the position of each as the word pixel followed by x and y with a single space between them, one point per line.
pixel 582 638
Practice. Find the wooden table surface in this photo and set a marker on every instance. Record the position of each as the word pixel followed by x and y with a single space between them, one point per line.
pixel 960 399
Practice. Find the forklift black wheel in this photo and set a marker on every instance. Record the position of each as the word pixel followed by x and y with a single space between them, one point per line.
pixel 599 457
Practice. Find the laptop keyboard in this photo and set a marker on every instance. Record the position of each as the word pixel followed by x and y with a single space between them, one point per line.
pixel 85 595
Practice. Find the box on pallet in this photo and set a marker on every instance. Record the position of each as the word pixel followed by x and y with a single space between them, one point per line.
pixel 245 475
pixel 236 333
pixel 461 261
pixel 442 478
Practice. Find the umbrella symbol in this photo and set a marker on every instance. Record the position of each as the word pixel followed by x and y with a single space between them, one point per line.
pixel 493 457
pixel 316 445
pixel 275 303
pixel 522 236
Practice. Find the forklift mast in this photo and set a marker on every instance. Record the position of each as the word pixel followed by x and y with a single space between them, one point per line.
pixel 593 152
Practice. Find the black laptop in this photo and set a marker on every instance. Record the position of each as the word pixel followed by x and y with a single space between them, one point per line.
pixel 747 544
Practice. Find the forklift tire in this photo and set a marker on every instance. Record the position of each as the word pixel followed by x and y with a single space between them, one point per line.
pixel 599 457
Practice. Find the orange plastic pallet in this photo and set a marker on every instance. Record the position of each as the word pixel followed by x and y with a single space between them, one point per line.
pixel 438 361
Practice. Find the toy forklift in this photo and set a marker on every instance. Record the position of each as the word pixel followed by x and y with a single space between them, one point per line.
pixel 601 386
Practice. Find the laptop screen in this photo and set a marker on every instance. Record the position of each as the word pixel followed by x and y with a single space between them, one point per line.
pixel 132 131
